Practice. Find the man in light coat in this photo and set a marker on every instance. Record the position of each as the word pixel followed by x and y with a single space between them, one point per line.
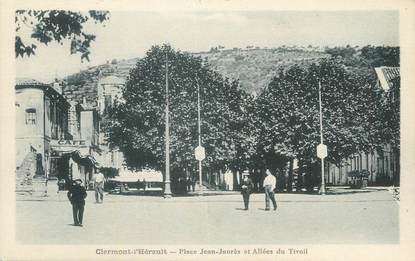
pixel 99 180
pixel 269 186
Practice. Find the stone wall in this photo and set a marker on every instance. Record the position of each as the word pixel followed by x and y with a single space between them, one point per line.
pixel 28 182
pixel 25 174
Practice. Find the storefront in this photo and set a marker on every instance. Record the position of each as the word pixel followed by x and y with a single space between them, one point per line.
pixel 69 164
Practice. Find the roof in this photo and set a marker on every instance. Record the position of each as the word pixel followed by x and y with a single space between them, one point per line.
pixel 23 83
pixel 113 80
pixel 29 82
pixel 386 75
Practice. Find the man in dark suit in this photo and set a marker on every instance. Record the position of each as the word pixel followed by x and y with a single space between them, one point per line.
pixel 76 195
pixel 247 187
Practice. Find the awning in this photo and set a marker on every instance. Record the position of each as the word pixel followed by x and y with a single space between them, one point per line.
pixel 126 175
pixel 84 159
pixel 61 151
pixel 77 155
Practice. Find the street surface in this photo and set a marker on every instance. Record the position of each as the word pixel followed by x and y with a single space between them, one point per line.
pixel 341 217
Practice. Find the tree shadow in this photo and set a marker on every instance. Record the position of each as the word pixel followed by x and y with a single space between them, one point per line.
pixel 346 192
pixel 334 191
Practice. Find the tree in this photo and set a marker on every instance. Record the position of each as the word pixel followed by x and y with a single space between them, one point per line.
pixel 55 26
pixel 345 52
pixel 288 113
pixel 362 61
pixel 138 127
pixel 381 55
pixel 390 134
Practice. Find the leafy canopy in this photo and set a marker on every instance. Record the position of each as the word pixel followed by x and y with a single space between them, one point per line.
pixel 139 120
pixel 288 112
pixel 47 26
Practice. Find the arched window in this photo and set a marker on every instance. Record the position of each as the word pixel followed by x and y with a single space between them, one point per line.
pixel 31 116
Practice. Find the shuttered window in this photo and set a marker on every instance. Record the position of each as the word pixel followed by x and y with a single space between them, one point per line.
pixel 30 116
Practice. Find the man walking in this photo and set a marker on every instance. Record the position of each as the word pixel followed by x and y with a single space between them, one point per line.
pixel 247 187
pixel 76 195
pixel 99 180
pixel 269 186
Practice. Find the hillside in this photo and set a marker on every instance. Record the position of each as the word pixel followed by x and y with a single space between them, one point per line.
pixel 254 68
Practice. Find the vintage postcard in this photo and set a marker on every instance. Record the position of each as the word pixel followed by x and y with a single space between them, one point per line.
pixel 217 130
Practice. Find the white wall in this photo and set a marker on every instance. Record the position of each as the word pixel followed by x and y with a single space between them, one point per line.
pixel 29 135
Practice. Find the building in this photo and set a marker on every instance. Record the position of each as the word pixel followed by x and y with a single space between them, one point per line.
pixel 98 93
pixel 74 158
pixel 41 116
pixel 383 166
pixel 45 145
pixel 385 77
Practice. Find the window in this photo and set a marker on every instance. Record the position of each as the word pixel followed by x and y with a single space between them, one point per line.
pixel 31 116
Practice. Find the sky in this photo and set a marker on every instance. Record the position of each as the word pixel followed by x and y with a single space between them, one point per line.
pixel 130 34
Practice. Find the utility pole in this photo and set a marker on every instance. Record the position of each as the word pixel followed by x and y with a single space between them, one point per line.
pixel 323 147
pixel 200 137
pixel 167 189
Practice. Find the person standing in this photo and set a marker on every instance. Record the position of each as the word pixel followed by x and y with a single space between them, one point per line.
pixel 99 180
pixel 193 180
pixel 247 187
pixel 269 186
pixel 188 184
pixel 76 195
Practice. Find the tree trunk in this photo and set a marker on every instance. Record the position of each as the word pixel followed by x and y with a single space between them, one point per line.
pixel 300 176
pixel 397 172
pixel 235 180
pixel 290 175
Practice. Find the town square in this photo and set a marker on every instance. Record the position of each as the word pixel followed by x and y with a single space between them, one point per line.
pixel 347 217
pixel 208 133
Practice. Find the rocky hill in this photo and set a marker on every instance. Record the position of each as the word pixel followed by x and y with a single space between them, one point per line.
pixel 254 68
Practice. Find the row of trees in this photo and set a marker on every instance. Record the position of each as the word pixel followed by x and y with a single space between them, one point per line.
pixel 139 126
pixel 245 132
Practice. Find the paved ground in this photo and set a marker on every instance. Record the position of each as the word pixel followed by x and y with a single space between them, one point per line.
pixel 370 216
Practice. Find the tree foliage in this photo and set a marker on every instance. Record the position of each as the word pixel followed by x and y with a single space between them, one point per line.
pixel 391 116
pixel 288 112
pixel 139 121
pixel 241 131
pixel 362 60
pixel 47 26
pixel 381 55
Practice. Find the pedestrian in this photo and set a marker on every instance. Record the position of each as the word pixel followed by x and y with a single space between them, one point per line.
pixel 76 195
pixel 247 187
pixel 269 186
pixel 99 180
pixel 61 184
pixel 139 184
pixel 193 183
pixel 188 184
pixel 144 184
